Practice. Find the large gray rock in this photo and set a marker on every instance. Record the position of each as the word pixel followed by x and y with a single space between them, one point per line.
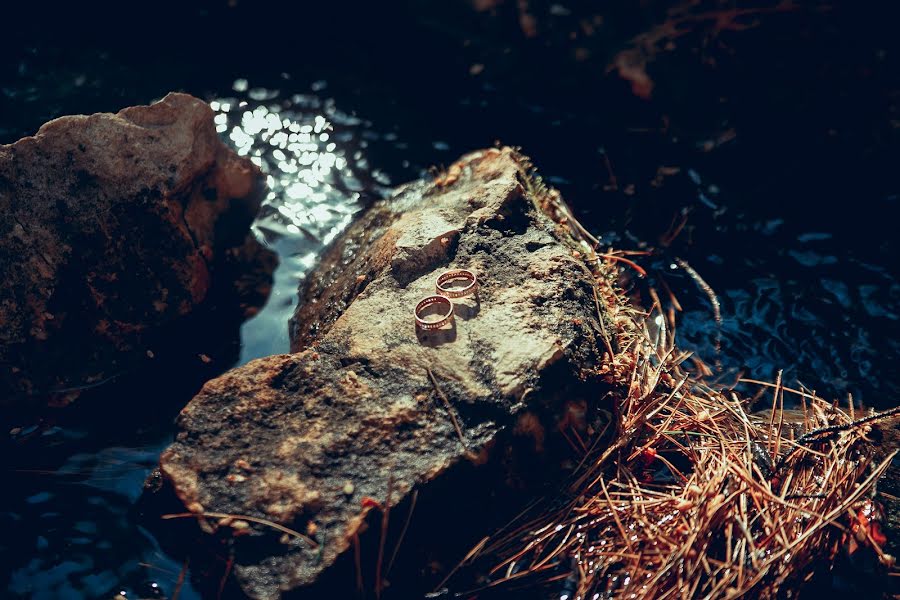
pixel 110 224
pixel 301 439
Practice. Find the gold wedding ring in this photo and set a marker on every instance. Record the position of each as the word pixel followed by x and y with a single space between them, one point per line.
pixel 453 276
pixel 445 317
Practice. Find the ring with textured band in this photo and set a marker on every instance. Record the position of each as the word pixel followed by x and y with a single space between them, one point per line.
pixel 456 275
pixel 445 317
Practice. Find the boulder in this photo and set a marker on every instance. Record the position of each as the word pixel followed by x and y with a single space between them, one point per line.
pixel 110 226
pixel 369 408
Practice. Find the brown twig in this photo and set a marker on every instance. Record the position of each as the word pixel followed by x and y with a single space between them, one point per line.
pixel 448 406
pixel 266 522
pixel 181 575
pixel 719 523
pixel 385 519
pixel 357 561
pixel 412 507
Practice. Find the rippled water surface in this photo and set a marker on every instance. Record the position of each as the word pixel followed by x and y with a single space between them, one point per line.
pixel 313 157
pixel 314 160
pixel 765 159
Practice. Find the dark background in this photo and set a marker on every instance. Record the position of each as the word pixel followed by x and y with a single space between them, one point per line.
pixel 772 127
pixel 781 119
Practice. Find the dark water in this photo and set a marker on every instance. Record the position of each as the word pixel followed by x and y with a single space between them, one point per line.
pixel 772 134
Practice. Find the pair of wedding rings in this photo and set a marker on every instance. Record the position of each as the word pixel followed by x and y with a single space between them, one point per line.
pixel 442 297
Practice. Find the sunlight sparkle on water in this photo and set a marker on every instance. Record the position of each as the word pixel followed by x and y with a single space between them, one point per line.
pixel 313 159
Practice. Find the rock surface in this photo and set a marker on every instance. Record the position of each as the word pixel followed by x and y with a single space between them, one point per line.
pixel 887 433
pixel 303 439
pixel 110 225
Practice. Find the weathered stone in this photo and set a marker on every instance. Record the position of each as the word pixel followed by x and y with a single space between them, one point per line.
pixel 887 434
pixel 302 439
pixel 110 225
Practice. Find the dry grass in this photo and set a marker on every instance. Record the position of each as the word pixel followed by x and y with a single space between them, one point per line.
pixel 693 496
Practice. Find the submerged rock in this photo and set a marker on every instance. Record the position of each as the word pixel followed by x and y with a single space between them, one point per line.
pixel 110 225
pixel 372 408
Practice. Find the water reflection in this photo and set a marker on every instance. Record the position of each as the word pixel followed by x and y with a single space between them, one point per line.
pixel 795 300
pixel 79 534
pixel 73 529
pixel 314 160
pixel 793 297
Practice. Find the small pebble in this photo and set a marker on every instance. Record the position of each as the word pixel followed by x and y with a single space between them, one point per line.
pixel 348 488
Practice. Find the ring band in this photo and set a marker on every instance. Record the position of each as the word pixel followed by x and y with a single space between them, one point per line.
pixel 430 301
pixel 456 275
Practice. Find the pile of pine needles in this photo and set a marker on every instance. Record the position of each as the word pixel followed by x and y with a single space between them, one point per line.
pixel 691 495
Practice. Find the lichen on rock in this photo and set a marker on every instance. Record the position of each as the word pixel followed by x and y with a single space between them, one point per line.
pixel 111 224
pixel 280 438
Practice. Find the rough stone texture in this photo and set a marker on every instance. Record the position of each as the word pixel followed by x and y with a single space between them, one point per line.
pixel 301 439
pixel 887 433
pixel 110 223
